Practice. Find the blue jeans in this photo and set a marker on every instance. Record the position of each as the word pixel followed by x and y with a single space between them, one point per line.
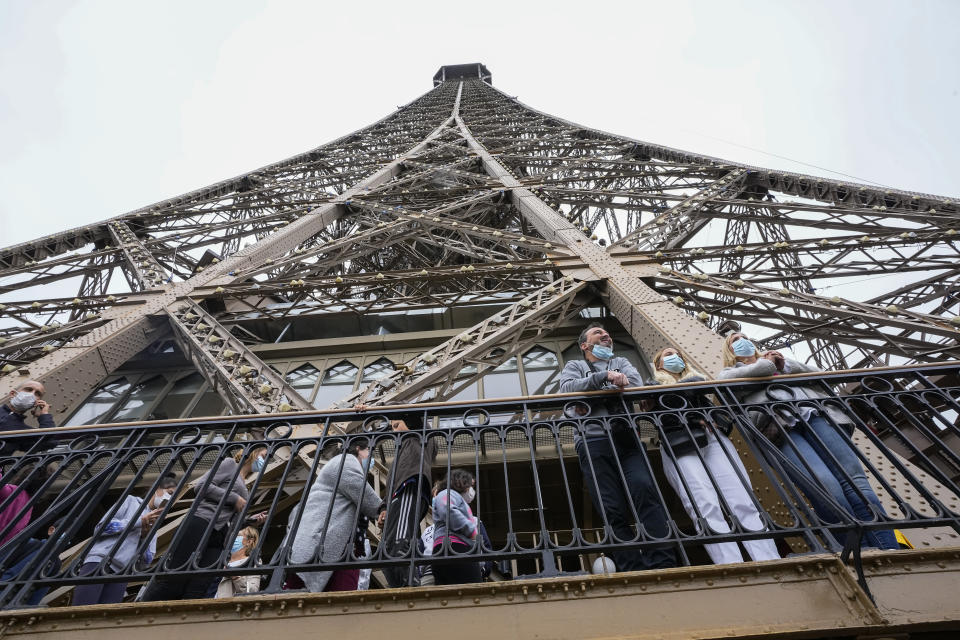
pixel 600 472
pixel 845 483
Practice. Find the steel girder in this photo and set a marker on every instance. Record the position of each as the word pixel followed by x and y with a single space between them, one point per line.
pixel 505 184
pixel 437 373
pixel 77 366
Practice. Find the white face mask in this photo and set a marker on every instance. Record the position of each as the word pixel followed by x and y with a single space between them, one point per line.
pixel 164 498
pixel 23 401
pixel 469 495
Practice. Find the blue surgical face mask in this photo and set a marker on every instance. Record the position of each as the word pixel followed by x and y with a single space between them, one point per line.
pixel 743 348
pixel 259 464
pixel 602 352
pixel 674 363
pixel 237 544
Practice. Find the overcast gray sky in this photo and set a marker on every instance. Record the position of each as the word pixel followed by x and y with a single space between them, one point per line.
pixel 106 106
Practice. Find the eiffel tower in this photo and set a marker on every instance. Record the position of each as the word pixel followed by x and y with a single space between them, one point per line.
pixel 441 246
pixel 467 197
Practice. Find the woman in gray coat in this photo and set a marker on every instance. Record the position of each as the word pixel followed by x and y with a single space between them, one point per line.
pixel 327 525
pixel 812 443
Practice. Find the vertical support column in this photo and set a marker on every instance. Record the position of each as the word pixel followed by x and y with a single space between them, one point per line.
pixel 652 321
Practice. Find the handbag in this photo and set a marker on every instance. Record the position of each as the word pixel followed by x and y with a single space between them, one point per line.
pixel 767 426
pixel 682 436
pixel 683 441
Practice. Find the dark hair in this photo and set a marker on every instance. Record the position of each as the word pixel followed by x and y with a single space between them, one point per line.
pixel 31 478
pixel 583 334
pixel 459 480
pixel 168 480
pixel 355 445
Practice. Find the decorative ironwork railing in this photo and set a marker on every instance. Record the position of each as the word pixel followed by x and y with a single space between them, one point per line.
pixel 84 506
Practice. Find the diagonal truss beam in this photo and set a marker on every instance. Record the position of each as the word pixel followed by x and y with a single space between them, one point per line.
pixel 76 368
pixel 436 374
pixel 245 382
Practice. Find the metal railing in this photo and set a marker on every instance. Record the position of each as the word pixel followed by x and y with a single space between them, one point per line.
pixel 536 462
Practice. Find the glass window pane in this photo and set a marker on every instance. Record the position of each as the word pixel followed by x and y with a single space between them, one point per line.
pixel 328 394
pixel 340 373
pixel 337 383
pixel 502 382
pixel 377 370
pixel 175 403
pixel 209 404
pixel 99 403
pixel 542 370
pixel 470 392
pixel 139 400
pixel 303 378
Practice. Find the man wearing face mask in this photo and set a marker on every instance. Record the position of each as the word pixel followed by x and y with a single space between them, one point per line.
pixel 605 449
pixel 26 398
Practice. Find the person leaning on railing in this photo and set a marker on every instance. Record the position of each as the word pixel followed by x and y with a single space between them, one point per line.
pixel 811 442
pixel 230 480
pixel 327 526
pixel 603 454
pixel 108 533
pixel 704 464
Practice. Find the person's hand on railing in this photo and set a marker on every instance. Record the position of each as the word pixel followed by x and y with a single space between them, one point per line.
pixel 381 519
pixel 776 358
pixel 360 407
pixel 618 379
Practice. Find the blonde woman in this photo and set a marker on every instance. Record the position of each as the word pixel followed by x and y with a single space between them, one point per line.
pixel 696 478
pixel 807 439
pixel 243 546
pixel 228 483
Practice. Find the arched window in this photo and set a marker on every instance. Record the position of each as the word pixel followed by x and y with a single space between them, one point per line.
pixel 337 382
pixel 303 379
pixel 376 370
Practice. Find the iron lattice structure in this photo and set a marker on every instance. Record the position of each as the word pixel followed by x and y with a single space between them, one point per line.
pixel 466 196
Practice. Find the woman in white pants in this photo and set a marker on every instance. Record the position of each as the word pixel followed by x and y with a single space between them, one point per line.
pixel 696 486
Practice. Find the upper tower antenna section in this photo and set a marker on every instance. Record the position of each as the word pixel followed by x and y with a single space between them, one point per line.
pixel 461 72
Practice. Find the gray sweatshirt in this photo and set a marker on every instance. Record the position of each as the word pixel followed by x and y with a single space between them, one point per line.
pixel 111 530
pixel 209 497
pixel 577 376
pixel 763 368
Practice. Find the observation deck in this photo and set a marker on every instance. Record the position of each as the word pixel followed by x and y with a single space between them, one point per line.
pixel 451 72
pixel 544 535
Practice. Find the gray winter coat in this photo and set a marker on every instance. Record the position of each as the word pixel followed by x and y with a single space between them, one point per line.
pixel 449 508
pixel 763 368
pixel 577 376
pixel 343 483
pixel 209 496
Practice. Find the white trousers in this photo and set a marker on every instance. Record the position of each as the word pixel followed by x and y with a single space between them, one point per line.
pixel 736 495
